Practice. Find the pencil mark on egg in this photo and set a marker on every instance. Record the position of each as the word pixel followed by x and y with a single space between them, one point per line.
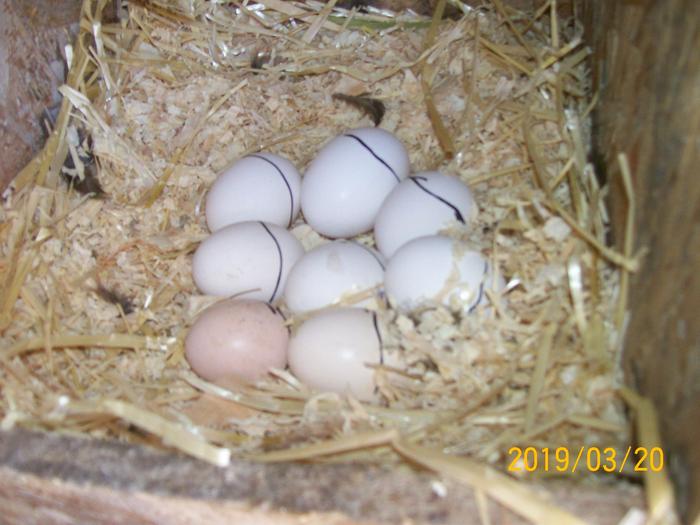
pixel 379 337
pixel 481 289
pixel 278 311
pixel 458 214
pixel 371 252
pixel 279 253
pixel 271 308
pixel 286 182
pixel 371 151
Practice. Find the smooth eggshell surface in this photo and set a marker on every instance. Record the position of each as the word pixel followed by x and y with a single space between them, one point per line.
pixel 421 205
pixel 259 187
pixel 437 269
pixel 237 339
pixel 329 351
pixel 252 259
pixel 345 185
pixel 330 272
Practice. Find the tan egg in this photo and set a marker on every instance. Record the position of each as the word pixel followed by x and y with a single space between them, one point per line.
pixel 237 339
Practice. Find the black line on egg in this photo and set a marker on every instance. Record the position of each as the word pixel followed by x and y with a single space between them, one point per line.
pixel 379 337
pixel 279 252
pixel 371 252
pixel 286 182
pixel 271 308
pixel 481 289
pixel 458 214
pixel 277 311
pixel 364 145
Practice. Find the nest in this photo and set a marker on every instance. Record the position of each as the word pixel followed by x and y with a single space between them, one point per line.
pixel 97 288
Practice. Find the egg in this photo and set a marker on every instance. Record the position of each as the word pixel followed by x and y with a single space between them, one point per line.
pixel 421 205
pixel 345 185
pixel 437 269
pixel 236 338
pixel 250 259
pixel 330 272
pixel 260 187
pixel 330 351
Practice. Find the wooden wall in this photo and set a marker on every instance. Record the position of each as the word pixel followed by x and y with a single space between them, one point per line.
pixel 647 67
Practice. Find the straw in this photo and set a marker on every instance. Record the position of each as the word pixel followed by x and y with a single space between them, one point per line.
pixel 175 92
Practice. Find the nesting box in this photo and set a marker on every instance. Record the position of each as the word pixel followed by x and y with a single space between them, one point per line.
pixel 642 100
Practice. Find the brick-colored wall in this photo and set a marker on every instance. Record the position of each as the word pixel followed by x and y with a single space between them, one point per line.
pixel 32 36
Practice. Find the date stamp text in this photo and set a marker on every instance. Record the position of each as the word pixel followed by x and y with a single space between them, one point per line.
pixel 591 459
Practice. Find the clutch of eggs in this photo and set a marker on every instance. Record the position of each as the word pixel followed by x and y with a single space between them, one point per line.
pixel 332 272
pixel 250 259
pixel 259 187
pixel 420 205
pixel 346 183
pixel 330 352
pixel 438 269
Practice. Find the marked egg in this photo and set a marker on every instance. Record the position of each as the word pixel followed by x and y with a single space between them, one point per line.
pixel 259 187
pixel 239 339
pixel 345 185
pixel 437 269
pixel 421 205
pixel 329 352
pixel 331 272
pixel 251 259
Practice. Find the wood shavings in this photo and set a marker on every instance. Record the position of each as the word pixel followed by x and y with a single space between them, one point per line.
pixel 114 297
pixel 374 108
pixel 170 99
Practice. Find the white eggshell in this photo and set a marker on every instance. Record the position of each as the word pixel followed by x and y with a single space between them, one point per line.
pixel 437 269
pixel 421 205
pixel 251 259
pixel 259 187
pixel 329 352
pixel 332 271
pixel 345 185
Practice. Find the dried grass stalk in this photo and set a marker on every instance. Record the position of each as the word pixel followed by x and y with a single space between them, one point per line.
pixel 171 97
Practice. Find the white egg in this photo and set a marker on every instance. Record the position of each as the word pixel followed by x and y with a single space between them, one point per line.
pixel 333 271
pixel 438 270
pixel 330 352
pixel 259 187
pixel 345 185
pixel 251 259
pixel 421 205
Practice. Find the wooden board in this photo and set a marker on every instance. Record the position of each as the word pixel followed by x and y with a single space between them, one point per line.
pixel 647 69
pixel 48 478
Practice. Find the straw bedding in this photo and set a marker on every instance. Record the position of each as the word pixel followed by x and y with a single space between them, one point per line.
pixel 173 92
